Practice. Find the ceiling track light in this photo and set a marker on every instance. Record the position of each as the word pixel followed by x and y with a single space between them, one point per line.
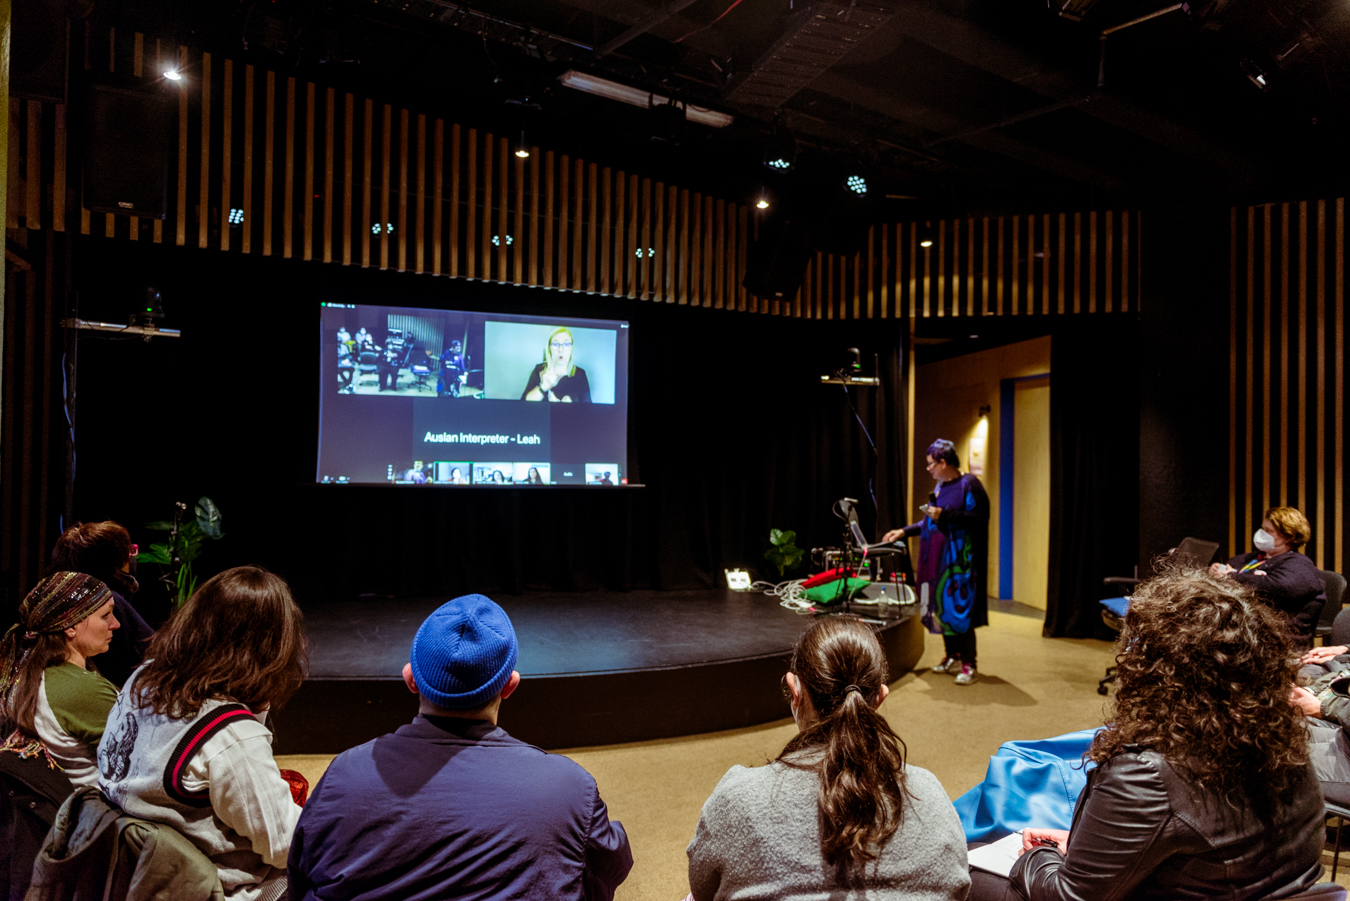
pixel 613 90
pixel 1255 74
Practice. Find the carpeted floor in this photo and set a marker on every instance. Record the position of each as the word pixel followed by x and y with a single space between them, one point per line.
pixel 1030 687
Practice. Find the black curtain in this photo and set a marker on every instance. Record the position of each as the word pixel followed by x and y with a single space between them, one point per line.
pixel 32 452
pixel 730 430
pixel 1094 465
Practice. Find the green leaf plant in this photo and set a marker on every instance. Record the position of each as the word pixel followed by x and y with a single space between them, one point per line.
pixel 184 544
pixel 784 553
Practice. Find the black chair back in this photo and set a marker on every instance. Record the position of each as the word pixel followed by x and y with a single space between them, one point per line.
pixel 1335 589
pixel 31 791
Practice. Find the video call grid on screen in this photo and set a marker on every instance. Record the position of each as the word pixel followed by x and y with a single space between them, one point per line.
pixel 412 396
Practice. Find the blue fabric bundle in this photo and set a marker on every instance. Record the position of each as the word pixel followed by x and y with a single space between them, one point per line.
pixel 1028 783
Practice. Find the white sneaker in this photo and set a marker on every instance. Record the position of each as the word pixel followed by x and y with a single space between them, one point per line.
pixel 948 665
pixel 967 675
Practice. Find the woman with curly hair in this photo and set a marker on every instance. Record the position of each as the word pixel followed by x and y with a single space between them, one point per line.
pixel 186 744
pixel 1203 787
pixel 839 812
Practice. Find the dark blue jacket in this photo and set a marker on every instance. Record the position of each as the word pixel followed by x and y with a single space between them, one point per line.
pixel 1291 584
pixel 453 808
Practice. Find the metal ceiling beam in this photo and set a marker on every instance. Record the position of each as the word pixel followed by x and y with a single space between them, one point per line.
pixel 903 108
pixel 969 44
pixel 644 26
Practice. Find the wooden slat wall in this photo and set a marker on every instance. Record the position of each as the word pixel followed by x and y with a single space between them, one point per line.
pixel 1286 388
pixel 552 221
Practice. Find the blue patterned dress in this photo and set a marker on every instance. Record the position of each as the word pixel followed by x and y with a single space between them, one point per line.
pixel 954 558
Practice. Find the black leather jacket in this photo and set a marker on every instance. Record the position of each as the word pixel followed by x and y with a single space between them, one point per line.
pixel 1141 832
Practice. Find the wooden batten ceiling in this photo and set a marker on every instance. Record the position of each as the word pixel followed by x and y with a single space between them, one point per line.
pixel 269 165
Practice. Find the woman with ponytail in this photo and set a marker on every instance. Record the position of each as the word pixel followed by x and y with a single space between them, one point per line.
pixel 104 550
pixel 838 811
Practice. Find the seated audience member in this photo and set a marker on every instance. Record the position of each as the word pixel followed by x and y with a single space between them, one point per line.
pixel 1203 786
pixel 838 813
pixel 1282 576
pixel 104 550
pixel 185 745
pixel 451 806
pixel 50 701
pixel 1328 718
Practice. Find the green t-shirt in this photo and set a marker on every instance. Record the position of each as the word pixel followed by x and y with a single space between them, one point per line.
pixel 72 711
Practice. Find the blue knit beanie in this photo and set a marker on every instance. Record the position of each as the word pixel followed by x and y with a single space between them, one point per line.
pixel 463 655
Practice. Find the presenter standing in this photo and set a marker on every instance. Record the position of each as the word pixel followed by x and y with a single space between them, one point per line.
pixel 953 560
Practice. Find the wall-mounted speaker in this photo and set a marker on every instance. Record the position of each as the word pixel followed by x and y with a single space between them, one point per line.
pixel 776 262
pixel 126 150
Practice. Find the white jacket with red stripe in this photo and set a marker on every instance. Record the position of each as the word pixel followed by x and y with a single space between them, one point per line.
pixel 212 777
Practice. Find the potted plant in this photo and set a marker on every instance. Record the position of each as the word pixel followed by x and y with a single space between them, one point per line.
pixel 184 543
pixel 783 552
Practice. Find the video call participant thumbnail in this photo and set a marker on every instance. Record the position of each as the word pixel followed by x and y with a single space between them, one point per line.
pixel 557 379
pixel 531 473
pixel 492 474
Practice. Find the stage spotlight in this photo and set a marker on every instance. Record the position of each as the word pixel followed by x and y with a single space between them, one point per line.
pixel 236 217
pixel 926 234
pixel 857 184
pixel 763 202
pixel 667 121
pixel 151 310
pixel 173 75
pixel 522 149
pixel 780 154
pixel 1255 74
pixel 497 240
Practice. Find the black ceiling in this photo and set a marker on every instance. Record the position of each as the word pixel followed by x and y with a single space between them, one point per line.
pixel 962 107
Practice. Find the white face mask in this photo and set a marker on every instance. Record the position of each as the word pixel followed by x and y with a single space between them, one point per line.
pixel 1263 541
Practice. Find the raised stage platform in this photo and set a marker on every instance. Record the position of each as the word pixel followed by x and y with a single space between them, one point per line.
pixel 598 668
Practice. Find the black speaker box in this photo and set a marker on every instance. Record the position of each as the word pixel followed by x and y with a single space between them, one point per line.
pixel 126 150
pixel 776 262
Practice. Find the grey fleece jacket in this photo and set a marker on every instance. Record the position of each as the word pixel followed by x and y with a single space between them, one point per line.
pixel 759 837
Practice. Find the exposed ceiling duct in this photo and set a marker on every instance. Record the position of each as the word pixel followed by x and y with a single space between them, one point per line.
pixel 816 38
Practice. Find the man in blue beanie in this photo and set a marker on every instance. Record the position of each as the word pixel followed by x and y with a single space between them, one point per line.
pixel 450 806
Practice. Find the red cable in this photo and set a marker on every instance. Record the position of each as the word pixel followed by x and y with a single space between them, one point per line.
pixel 710 24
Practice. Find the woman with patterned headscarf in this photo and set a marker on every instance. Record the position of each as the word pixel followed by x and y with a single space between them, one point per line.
pixel 50 701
